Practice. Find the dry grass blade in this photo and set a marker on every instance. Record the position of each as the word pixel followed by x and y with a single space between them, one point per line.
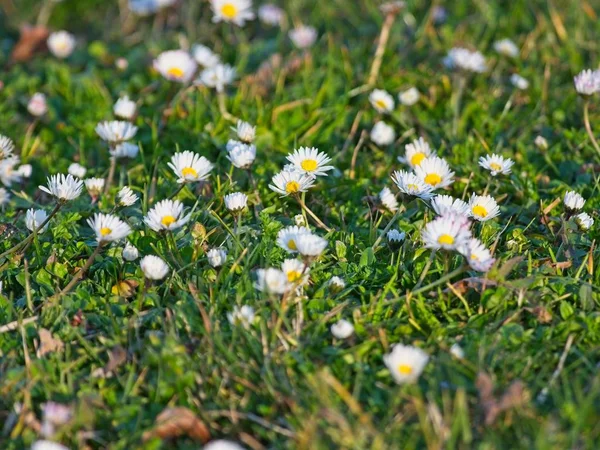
pixel 177 422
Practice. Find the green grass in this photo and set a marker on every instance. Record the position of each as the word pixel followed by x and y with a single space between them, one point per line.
pixel 298 388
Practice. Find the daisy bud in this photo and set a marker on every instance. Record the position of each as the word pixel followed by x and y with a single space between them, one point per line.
pixel 77 170
pixel 61 44
pixel 241 155
pixel 245 132
pixel 342 329
pixel 130 252
pixel 299 220
pixel 154 268
pixel 406 363
pixel 37 105
pixel 409 97
pixel 584 221
pixel 241 316
pixel 336 284
pixel 236 202
pixel 303 36
pixel 395 238
pixel 216 257
pixel 34 218
pixel 573 201
pixel 541 143
pixel 383 134
pixel 94 187
pixel 125 108
pixel 388 200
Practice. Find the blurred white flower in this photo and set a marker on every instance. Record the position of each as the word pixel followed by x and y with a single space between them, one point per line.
pixel 272 281
pixel 457 351
pixel 154 268
pixel 342 329
pixel 382 101
pixel 204 56
pixel 7 146
pixel 506 47
pixel 25 170
pixel 303 36
pixel 94 187
pixel 310 245
pixel 4 197
pixel 447 232
pixel 124 150
pixel 130 252
pixel 61 44
pixel 242 155
pixel 241 316
pixel 466 60
pixel 444 204
pixel 383 134
pixel 176 65
pixel 216 257
pixel 435 172
pixel 587 82
pixel 9 173
pixel 245 132
pixel 47 445
pixel 477 255
pixel 584 221
pixel 388 199
pixel 519 82
pixel 270 14
pixel 220 444
pixel 416 152
pixel 234 11
pixel 406 363
pixel 77 170
pixel 409 97
pixel 116 131
pixel 217 77
pixel 496 164
pixel 125 108
pixel 34 218
pixel 336 284
pixel 37 105
pixel 286 238
pixel 410 184
pixel 541 142
pixel 396 236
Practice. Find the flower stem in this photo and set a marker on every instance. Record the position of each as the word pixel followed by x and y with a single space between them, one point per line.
pixel 386 229
pixel 223 107
pixel 111 174
pixel 179 189
pixel 313 215
pixel 30 237
pixel 381 45
pixel 588 127
pixel 79 275
pixel 462 82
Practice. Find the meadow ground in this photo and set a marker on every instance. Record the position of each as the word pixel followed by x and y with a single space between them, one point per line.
pixel 513 351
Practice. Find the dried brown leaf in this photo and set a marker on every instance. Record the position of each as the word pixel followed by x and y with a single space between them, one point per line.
pixel 48 343
pixel 176 422
pixel 32 38
pixel 116 357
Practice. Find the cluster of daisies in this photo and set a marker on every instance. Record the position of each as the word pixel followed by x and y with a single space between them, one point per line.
pixel 11 169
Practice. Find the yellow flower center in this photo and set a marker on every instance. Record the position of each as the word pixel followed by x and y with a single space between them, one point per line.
pixel 292 244
pixel 168 220
pixel 417 158
pixel 229 10
pixel 412 187
pixel 309 165
pixel 479 211
pixel 293 276
pixel 495 167
pixel 445 239
pixel 474 257
pixel 433 179
pixel 380 104
pixel 405 369
pixel 189 172
pixel 105 231
pixel 175 72
pixel 292 187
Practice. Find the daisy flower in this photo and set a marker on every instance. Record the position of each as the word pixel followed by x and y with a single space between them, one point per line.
pixel 94 186
pixel 443 204
pixel 234 11
pixel 310 161
pixel 388 199
pixel 286 238
pixel 116 131
pixel 416 152
pixel 166 215
pixel 584 221
pixel 410 184
pixel 405 363
pixel 296 271
pixel 9 173
pixel 37 105
pixel 241 316
pixel 216 257
pixel 519 82
pixel 204 56
pixel 457 351
pixel 217 77
pixel 7 147
pixel 236 202
pixel 506 47
pixel 272 281
pixel 381 101
pixel 289 182
pixel 245 132
pixel 108 228
pixel 241 155
pixel 77 170
pixel 447 232
pixel 190 167
pixel 175 65
pixel 336 284
pixel 154 268
pixel 34 218
pixel 435 172
pixel 310 245
pixel 124 150
pixel 573 201
pixel 342 329
pixel 483 207
pixel 303 36
pixel 126 196
pixel 270 14
pixel 409 97
pixel 124 108
pixel 477 255
pixel 496 164
pixel 587 82
pixel 383 134
pixel 130 253
pixel 61 44
pixel 63 187
pixel 25 170
pixel 466 60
